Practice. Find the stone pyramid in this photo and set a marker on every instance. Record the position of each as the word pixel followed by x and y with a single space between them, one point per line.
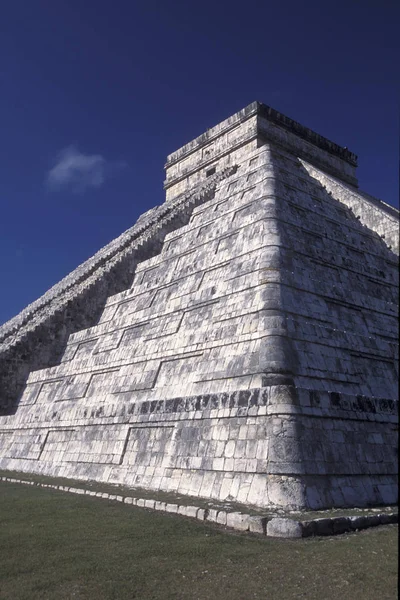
pixel 238 342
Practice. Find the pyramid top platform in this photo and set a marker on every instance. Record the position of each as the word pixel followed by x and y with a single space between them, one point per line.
pixel 258 108
pixel 258 123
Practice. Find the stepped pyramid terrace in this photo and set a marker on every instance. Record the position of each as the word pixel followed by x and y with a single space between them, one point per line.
pixel 239 342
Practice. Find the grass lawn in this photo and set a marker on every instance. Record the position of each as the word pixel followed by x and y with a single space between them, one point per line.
pixel 56 545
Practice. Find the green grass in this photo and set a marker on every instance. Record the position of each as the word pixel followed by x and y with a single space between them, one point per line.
pixel 177 498
pixel 56 545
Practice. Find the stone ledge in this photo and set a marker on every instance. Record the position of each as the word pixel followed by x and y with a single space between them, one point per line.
pixel 273 399
pixel 42 328
pixel 146 226
pixel 272 115
pixel 275 526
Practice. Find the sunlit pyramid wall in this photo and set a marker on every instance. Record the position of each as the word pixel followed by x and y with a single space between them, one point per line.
pixel 239 342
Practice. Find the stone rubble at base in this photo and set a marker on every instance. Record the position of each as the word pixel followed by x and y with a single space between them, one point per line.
pixel 239 342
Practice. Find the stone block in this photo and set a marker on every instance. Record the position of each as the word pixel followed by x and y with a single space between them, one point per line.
pixel 201 514
pixel 358 522
pixel 308 528
pixel 287 491
pixel 257 524
pixel 221 517
pixel 373 520
pixel 212 515
pixel 323 526
pixel 341 525
pixel 191 511
pixel 393 518
pixel 385 519
pixel 238 520
pixel 286 528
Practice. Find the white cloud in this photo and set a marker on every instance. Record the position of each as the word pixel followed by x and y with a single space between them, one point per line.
pixel 78 171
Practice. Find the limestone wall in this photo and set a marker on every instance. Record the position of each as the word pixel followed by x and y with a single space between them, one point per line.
pixel 372 212
pixel 253 358
pixel 244 131
pixel 268 447
pixel 339 289
pixel 37 336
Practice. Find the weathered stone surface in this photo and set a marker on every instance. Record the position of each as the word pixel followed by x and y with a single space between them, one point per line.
pixel 323 526
pixel 358 522
pixel 258 524
pixel 308 528
pixel 341 525
pixel 238 343
pixel 374 520
pixel 237 520
pixel 389 519
pixel 201 514
pixel 281 527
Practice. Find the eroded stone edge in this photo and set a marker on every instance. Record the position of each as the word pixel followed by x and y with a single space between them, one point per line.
pixel 271 527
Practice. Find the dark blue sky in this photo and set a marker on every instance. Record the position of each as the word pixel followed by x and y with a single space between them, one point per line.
pixel 108 89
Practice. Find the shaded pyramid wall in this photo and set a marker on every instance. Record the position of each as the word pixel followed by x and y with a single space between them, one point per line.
pixel 254 355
